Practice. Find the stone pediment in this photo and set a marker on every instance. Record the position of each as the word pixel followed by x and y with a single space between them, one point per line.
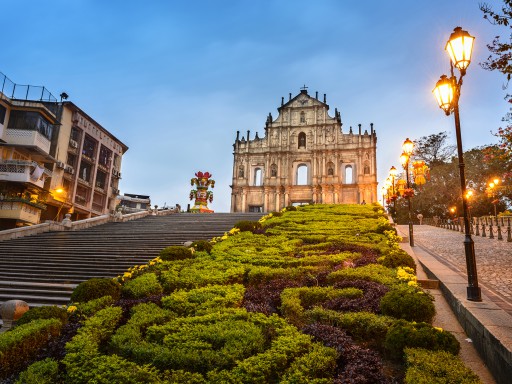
pixel 303 100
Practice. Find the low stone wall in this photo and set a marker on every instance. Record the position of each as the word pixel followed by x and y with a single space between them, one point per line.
pixel 52 226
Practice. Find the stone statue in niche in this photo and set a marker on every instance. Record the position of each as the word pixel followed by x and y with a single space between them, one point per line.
pixel 292 138
pixel 275 139
pixel 273 170
pixel 241 171
pixel 366 169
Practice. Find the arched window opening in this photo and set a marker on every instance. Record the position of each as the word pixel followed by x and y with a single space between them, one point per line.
pixel 330 169
pixel 349 174
pixel 302 140
pixel 302 117
pixel 302 174
pixel 258 177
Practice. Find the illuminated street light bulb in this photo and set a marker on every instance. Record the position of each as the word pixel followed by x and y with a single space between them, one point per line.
pixel 404 159
pixel 393 172
pixel 460 48
pixel 491 185
pixel 444 93
pixel 496 181
pixel 408 147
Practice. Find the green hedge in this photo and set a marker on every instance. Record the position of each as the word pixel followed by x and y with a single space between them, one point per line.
pixel 94 289
pixel 294 301
pixel 41 372
pixel 175 252
pixel 404 334
pixel 23 342
pixel 428 367
pixel 201 301
pixel 142 286
pixel 50 312
pixel 409 303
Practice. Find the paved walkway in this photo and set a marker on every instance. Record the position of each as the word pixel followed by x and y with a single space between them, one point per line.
pixel 493 259
pixel 484 329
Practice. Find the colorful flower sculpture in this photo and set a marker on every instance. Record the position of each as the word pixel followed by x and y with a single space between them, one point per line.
pixel 201 195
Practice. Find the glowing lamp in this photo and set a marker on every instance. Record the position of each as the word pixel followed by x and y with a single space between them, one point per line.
pixel 460 48
pixel 444 93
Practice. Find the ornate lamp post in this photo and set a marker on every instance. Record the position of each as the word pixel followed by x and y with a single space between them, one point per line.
pixel 392 174
pixel 408 147
pixel 447 93
pixel 492 189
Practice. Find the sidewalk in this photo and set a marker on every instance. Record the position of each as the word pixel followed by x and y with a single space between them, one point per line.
pixel 484 329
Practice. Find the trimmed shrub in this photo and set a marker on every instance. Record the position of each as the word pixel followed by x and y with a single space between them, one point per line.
pixel 52 312
pixel 204 300
pixel 397 258
pixel 176 252
pixel 409 303
pixel 41 372
pixel 142 286
pixel 23 342
pixel 362 326
pixel 427 367
pixel 94 289
pixel 295 300
pixel 370 272
pixel 202 246
pixel 91 307
pixel 404 334
pixel 246 225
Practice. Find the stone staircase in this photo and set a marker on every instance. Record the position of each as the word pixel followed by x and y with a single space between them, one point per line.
pixel 44 269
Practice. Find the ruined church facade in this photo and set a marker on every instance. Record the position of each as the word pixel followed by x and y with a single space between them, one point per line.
pixel 304 157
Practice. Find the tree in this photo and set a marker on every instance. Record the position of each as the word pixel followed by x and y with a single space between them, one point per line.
pixel 501 52
pixel 434 149
pixel 500 60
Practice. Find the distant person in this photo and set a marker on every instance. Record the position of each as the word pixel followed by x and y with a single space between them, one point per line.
pixel 363 202
pixel 420 218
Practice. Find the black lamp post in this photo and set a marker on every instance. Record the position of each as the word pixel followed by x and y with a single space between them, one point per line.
pixel 408 147
pixel 392 174
pixel 447 93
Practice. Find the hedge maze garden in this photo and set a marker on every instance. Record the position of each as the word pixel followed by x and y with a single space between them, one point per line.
pixel 313 294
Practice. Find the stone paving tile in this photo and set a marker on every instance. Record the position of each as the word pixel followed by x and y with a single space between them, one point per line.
pixel 493 257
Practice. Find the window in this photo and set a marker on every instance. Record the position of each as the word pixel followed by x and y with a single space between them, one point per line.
pixel 349 174
pixel 89 148
pixel 71 160
pixel 75 134
pixel 85 171
pixel 302 140
pixel 3 110
pixel 302 174
pixel 31 121
pixel 105 156
pixel 255 208
pixel 258 174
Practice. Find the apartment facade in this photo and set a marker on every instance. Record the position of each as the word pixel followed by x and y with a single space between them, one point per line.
pixel 54 159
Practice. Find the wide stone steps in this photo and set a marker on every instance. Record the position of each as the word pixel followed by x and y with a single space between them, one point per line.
pixel 44 269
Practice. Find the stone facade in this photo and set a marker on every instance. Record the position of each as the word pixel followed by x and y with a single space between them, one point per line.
pixel 304 157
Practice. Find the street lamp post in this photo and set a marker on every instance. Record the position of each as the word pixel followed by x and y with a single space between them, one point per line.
pixel 408 147
pixel 492 186
pixel 392 173
pixel 447 93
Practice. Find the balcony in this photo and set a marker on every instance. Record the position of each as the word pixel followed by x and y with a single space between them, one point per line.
pixel 20 210
pixel 28 138
pixel 23 171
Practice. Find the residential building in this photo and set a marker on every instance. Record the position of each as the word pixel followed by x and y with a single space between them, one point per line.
pixel 54 159
pixel 130 202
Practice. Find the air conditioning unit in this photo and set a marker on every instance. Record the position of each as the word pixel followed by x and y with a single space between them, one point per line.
pixel 60 165
pixel 73 143
pixel 69 169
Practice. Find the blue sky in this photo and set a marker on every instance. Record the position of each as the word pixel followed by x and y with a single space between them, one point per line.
pixel 175 80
